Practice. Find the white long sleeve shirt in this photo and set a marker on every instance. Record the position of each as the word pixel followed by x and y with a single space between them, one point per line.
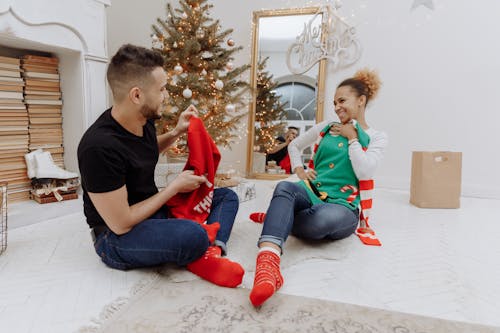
pixel 364 163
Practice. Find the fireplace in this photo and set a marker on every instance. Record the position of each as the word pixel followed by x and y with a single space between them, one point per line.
pixel 75 32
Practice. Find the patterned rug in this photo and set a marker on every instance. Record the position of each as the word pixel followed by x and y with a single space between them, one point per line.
pixel 198 306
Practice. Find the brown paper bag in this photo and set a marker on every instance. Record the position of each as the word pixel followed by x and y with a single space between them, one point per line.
pixel 436 179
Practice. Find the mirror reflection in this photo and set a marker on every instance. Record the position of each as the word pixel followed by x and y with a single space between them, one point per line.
pixel 285 104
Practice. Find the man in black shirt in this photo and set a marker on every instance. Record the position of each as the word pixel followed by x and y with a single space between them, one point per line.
pixel 280 151
pixel 117 156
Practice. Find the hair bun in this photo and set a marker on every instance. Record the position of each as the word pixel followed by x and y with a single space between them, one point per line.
pixel 371 80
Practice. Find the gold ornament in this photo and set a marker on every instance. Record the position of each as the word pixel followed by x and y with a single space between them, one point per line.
pixel 230 42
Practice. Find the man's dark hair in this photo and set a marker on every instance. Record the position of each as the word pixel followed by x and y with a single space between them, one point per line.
pixel 131 66
pixel 293 127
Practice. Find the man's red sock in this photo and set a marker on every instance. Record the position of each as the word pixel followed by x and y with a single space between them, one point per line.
pixel 258 217
pixel 211 230
pixel 268 277
pixel 220 271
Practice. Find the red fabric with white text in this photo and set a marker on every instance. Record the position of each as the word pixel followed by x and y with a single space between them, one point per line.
pixel 204 158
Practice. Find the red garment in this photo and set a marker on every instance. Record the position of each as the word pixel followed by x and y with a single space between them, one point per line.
pixel 204 158
pixel 285 164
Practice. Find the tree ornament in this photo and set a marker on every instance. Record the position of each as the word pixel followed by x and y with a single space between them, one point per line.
pixel 187 93
pixel 219 85
pixel 178 69
pixel 155 41
pixel 203 72
pixel 229 66
pixel 184 15
pixel 175 45
pixel 230 42
pixel 230 108
pixel 181 44
pixel 200 33
pixel 207 54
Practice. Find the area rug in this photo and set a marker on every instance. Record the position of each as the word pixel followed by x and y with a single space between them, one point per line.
pixel 198 306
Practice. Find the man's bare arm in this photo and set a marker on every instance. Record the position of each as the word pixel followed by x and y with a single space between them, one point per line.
pixel 113 206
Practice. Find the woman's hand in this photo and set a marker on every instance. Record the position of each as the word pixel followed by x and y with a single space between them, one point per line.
pixel 346 130
pixel 305 175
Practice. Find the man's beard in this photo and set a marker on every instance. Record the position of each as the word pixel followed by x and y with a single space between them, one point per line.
pixel 150 112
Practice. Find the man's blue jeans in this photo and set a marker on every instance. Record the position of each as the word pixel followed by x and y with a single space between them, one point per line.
pixel 160 240
pixel 291 211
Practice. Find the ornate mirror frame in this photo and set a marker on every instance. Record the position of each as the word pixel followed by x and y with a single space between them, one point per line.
pixel 257 15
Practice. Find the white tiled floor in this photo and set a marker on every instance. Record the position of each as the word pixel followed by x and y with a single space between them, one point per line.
pixel 441 263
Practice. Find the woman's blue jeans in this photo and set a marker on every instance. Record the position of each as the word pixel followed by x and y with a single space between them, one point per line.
pixel 160 240
pixel 291 211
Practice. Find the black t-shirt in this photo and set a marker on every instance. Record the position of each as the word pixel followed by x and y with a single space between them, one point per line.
pixel 280 154
pixel 109 157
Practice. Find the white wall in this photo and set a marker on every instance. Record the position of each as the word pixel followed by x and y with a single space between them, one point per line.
pixel 440 70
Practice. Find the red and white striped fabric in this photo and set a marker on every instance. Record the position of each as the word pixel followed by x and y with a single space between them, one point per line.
pixel 364 231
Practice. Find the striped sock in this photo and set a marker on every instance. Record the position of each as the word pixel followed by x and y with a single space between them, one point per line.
pixel 268 277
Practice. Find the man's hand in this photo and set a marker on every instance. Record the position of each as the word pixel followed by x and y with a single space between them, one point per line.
pixel 187 181
pixel 183 122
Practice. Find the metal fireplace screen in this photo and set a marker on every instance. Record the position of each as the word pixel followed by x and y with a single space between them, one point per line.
pixel 3 217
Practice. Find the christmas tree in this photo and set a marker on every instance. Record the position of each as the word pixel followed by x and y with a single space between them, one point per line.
pixel 198 61
pixel 270 114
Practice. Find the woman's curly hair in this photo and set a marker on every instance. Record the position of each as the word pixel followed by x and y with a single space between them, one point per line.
pixel 364 82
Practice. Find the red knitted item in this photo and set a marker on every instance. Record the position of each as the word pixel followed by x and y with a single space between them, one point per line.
pixel 220 271
pixel 258 217
pixel 268 277
pixel 286 164
pixel 211 230
pixel 204 157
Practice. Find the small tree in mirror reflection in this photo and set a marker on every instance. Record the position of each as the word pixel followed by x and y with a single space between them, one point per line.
pixel 198 61
pixel 270 114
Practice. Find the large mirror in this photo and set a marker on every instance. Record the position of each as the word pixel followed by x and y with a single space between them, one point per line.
pixel 285 101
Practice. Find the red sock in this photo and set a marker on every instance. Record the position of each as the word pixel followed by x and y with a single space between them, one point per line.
pixel 268 277
pixel 211 230
pixel 220 271
pixel 258 217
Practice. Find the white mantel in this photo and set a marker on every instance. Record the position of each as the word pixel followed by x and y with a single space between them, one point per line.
pixel 75 31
